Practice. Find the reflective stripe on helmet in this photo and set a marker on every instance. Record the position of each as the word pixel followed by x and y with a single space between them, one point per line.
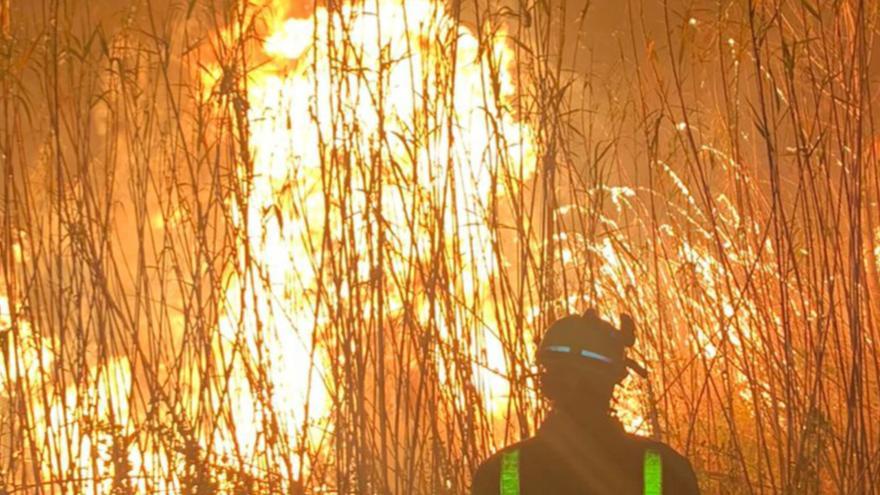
pixel 585 353
pixel 510 472
pixel 593 355
pixel 653 473
pixel 558 348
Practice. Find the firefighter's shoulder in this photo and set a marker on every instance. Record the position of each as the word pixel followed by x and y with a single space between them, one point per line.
pixel 677 473
pixel 485 479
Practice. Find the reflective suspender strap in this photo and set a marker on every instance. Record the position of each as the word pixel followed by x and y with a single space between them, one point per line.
pixel 653 473
pixel 510 473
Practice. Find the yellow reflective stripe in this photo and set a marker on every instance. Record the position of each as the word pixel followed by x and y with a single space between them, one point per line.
pixel 653 473
pixel 510 473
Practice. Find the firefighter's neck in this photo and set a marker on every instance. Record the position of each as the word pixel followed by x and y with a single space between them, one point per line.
pixel 586 413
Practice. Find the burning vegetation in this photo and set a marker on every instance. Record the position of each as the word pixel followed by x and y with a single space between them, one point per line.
pixel 283 247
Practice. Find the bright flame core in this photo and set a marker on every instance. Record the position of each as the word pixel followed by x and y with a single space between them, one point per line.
pixel 375 145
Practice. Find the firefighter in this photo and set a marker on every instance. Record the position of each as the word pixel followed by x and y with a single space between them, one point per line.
pixel 581 448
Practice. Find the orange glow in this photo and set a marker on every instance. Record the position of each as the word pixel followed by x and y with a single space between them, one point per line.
pixel 300 102
pixel 433 128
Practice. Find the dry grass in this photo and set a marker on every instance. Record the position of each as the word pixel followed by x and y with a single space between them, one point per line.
pixel 203 294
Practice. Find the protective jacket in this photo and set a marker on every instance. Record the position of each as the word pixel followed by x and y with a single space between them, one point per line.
pixel 585 458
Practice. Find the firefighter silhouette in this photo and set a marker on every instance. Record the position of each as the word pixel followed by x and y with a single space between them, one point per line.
pixel 581 448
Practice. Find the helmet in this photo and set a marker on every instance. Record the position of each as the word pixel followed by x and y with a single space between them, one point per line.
pixel 590 343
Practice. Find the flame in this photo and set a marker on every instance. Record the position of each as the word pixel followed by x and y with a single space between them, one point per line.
pixel 414 102
pixel 416 111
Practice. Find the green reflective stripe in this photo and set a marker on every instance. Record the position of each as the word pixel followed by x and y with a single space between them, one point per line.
pixel 653 473
pixel 510 473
